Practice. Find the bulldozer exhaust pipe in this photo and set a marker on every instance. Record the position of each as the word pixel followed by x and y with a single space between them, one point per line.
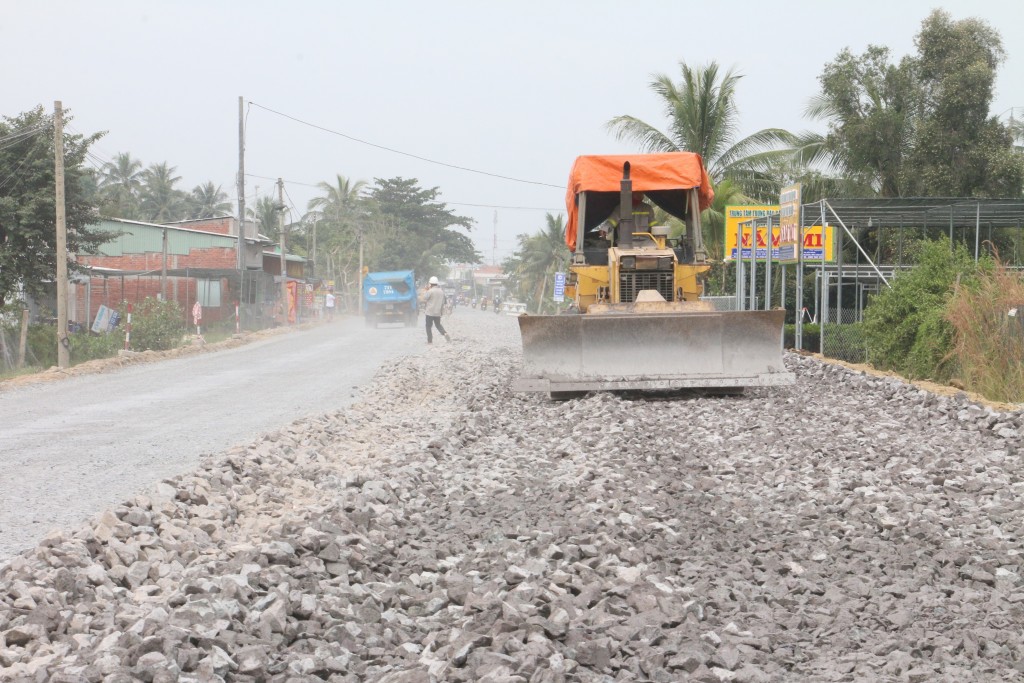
pixel 624 238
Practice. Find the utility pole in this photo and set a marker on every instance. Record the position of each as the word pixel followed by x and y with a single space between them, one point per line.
pixel 241 189
pixel 63 355
pixel 241 209
pixel 315 221
pixel 163 268
pixel 494 241
pixel 284 264
pixel 359 294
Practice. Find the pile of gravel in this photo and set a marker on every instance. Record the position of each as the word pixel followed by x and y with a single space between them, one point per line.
pixel 445 529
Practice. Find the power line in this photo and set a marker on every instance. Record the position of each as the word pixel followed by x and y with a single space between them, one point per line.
pixel 290 182
pixel 14 174
pixel 511 208
pixel 398 151
pixel 485 206
pixel 21 136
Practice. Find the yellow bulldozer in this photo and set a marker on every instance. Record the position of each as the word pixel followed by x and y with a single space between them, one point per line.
pixel 637 320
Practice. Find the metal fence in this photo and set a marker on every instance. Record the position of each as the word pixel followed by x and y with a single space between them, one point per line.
pixel 842 335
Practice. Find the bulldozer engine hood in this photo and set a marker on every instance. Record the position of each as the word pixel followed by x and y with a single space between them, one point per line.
pixel 664 178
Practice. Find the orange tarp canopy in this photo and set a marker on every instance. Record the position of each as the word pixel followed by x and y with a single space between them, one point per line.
pixel 649 172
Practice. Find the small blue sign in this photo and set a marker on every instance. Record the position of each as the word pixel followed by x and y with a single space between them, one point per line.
pixel 559 287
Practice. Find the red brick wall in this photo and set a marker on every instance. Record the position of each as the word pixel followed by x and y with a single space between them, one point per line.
pixel 108 291
pixel 221 226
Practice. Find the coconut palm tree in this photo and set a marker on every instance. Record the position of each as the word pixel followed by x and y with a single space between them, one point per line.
pixel 161 201
pixel 344 194
pixel 207 201
pixel 265 215
pixel 703 118
pixel 120 186
pixel 339 214
pixel 538 258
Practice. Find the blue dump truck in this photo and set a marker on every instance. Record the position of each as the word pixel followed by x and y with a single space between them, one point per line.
pixel 390 298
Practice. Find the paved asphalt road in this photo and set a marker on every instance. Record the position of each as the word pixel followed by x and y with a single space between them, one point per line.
pixel 72 448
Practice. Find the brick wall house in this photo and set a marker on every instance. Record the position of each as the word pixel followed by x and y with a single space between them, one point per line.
pixel 187 261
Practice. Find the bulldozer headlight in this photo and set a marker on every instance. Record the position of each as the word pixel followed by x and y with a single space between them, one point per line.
pixel 628 263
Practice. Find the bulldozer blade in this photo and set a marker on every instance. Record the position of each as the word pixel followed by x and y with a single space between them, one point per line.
pixel 572 353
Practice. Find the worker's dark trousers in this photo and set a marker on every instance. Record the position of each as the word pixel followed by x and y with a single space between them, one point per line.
pixel 434 320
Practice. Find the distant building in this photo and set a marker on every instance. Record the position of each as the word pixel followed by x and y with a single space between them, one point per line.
pixel 185 261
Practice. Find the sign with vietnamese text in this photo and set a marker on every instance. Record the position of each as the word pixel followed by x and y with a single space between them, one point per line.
pixel 817 243
pixel 789 223
pixel 734 216
pixel 559 287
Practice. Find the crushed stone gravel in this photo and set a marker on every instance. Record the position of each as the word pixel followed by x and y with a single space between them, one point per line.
pixel 850 527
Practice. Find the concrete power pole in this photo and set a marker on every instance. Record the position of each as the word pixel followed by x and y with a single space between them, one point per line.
pixel 284 263
pixel 63 355
pixel 241 190
pixel 241 209
pixel 359 279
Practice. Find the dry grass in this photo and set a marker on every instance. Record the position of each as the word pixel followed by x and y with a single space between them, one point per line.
pixel 988 319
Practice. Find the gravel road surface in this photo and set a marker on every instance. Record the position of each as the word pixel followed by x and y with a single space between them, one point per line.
pixel 442 528
pixel 74 447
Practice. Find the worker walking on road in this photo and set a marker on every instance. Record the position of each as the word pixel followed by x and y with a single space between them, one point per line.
pixel 329 305
pixel 433 308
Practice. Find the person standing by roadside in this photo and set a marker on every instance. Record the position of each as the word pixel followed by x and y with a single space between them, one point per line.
pixel 433 308
pixel 329 305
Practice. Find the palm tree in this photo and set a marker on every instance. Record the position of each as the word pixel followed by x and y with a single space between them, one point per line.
pixel 265 215
pixel 207 201
pixel 161 202
pixel 539 256
pixel 120 186
pixel 339 214
pixel 703 118
pixel 346 194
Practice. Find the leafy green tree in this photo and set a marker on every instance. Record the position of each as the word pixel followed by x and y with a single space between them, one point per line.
pixel 419 232
pixel 905 327
pixel 703 118
pixel 120 187
pixel 961 150
pixel 872 108
pixel 208 201
pixel 27 202
pixel 920 127
pixel 161 201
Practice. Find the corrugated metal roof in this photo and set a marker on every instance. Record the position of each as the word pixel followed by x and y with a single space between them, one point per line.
pixel 135 237
pixel 960 212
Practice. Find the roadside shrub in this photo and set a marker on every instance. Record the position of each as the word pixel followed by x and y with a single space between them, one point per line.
pixel 810 336
pixel 41 345
pixel 987 317
pixel 156 325
pixel 88 346
pixel 905 327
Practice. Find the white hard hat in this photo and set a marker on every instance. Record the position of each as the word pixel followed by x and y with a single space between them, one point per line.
pixel 433 280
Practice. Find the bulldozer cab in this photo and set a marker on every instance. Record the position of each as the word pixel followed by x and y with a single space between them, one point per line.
pixel 601 190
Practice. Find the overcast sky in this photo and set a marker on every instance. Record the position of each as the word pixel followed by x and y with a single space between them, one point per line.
pixel 516 89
